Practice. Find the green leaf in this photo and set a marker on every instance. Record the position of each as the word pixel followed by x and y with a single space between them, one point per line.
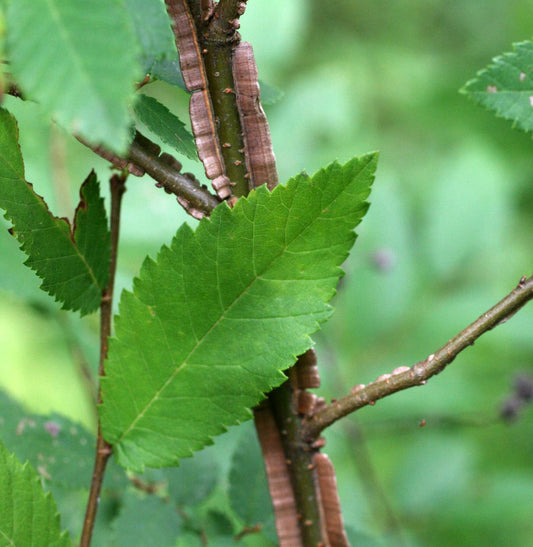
pixel 152 26
pixel 78 59
pixel 74 267
pixel 28 516
pixel 190 540
pixel 61 450
pixel 506 86
pixel 248 488
pixel 269 94
pixel 168 127
pixel 211 324
pixel 169 70
pixel 146 521
pixel 194 480
pixel 219 528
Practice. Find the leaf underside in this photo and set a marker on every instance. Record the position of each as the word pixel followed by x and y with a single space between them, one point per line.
pixel 212 323
pixel 78 58
pixel 168 127
pixel 506 86
pixel 28 516
pixel 74 267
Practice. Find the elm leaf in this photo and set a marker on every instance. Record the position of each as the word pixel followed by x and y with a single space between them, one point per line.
pixel 248 488
pixel 28 516
pixel 61 450
pixel 214 320
pixel 146 521
pixel 506 86
pixel 152 25
pixel 78 59
pixel 73 264
pixel 168 127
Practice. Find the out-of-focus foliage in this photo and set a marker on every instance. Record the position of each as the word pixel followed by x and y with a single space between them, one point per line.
pixel 88 92
pixel 447 234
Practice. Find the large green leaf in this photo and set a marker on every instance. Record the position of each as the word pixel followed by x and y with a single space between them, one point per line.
pixel 211 324
pixel 28 516
pixel 506 86
pixel 78 58
pixel 168 127
pixel 74 267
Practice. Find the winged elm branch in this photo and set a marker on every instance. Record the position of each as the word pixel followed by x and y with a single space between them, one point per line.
pixel 172 180
pixel 144 157
pixel 418 374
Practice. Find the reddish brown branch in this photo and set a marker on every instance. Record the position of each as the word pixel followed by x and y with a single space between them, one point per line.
pixel 406 377
pixel 103 448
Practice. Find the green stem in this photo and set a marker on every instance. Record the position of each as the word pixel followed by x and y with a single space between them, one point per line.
pixel 217 39
pixel 103 448
pixel 218 62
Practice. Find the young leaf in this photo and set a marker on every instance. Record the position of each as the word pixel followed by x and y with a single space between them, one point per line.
pixel 506 86
pixel 153 29
pixel 169 128
pixel 78 58
pixel 211 324
pixel 28 516
pixel 74 268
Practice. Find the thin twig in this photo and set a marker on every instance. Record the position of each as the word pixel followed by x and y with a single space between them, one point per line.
pixel 404 377
pixel 103 448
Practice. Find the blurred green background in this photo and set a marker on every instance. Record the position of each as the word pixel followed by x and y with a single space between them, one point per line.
pixel 449 232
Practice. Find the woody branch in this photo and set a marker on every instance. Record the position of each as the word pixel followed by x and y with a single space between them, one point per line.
pixel 405 377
